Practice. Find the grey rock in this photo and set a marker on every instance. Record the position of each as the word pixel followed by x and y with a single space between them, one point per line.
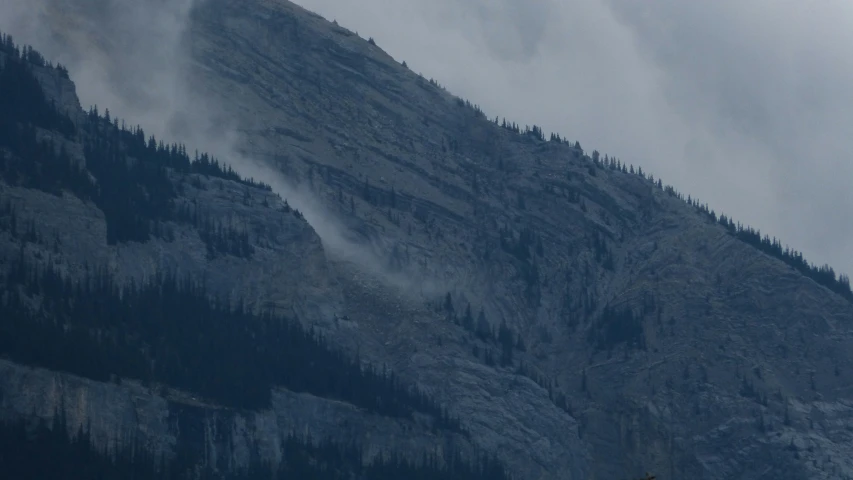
pixel 734 339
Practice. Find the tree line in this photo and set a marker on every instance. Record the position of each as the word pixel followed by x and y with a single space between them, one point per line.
pixel 38 450
pixel 129 177
pixel 172 331
pixel 824 275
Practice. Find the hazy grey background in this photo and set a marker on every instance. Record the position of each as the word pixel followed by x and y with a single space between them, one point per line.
pixel 745 104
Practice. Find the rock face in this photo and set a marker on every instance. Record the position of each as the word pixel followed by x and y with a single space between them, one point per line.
pixel 119 414
pixel 643 335
pixel 287 272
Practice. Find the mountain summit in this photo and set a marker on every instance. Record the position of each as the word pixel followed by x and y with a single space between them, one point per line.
pixel 406 288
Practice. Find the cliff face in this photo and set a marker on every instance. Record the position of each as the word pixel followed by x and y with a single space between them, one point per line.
pixel 621 331
pixel 157 419
pixel 287 273
pixel 732 336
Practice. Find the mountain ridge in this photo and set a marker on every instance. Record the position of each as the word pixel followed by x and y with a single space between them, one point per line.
pixel 292 52
pixel 480 212
pixel 60 313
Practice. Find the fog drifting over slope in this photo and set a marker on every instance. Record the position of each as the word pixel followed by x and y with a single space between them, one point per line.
pixel 131 58
pixel 746 105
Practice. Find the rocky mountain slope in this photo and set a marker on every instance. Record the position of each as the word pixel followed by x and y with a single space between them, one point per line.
pixel 150 304
pixel 582 320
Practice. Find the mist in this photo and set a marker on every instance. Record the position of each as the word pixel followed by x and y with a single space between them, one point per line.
pixel 130 58
pixel 746 105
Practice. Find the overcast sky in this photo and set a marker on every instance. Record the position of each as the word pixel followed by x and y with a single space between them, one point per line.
pixel 747 104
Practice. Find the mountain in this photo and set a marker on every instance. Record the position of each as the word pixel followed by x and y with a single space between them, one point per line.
pixel 508 300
